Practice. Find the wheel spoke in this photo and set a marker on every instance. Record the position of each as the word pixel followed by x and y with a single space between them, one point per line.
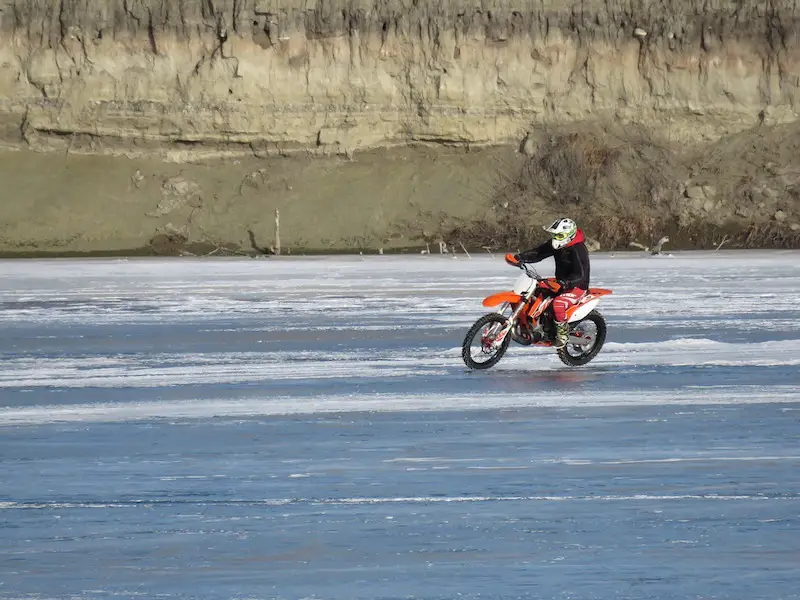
pixel 592 334
pixel 481 349
pixel 589 336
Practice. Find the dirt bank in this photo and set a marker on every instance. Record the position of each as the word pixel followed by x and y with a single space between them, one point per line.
pixel 177 126
pixel 624 183
pixel 187 79
pixel 95 204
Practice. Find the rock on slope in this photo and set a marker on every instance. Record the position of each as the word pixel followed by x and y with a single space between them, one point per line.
pixel 335 75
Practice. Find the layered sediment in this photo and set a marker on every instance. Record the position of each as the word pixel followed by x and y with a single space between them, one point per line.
pixel 193 77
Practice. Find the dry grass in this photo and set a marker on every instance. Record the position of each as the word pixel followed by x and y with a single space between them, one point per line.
pixel 768 235
pixel 614 180
pixel 622 184
pixel 567 167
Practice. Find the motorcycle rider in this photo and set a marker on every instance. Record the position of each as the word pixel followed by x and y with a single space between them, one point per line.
pixel 567 247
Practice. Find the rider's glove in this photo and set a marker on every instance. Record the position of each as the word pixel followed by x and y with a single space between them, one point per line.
pixel 513 259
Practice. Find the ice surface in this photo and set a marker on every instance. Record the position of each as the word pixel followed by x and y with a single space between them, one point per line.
pixel 305 428
pixel 272 329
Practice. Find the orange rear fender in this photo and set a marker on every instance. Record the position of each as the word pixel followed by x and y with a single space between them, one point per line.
pixel 586 304
pixel 497 299
pixel 597 292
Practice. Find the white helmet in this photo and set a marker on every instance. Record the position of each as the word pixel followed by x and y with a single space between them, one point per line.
pixel 562 232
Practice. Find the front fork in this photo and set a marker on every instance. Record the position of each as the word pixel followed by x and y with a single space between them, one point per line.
pixel 510 322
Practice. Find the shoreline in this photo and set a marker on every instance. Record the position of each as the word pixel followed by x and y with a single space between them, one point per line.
pixel 147 254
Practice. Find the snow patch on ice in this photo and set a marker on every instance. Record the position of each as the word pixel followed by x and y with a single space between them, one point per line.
pixel 253 407
pixel 365 500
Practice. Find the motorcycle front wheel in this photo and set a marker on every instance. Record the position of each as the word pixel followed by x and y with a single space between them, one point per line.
pixel 488 352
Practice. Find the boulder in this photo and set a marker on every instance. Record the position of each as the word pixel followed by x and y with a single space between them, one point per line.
pixel 177 192
pixel 695 192
pixel 528 146
pixel 179 186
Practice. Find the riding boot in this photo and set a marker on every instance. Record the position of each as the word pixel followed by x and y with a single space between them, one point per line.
pixel 562 334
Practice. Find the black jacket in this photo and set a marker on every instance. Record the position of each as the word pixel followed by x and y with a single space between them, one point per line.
pixel 572 261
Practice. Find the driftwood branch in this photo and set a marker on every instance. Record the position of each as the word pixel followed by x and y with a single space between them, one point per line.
pixel 655 250
pixel 277 249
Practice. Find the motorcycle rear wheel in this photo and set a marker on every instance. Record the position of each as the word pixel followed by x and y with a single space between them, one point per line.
pixel 584 355
pixel 493 354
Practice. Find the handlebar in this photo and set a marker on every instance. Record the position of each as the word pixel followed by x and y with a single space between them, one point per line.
pixel 529 270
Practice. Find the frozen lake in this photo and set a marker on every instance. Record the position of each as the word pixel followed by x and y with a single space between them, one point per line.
pixel 304 428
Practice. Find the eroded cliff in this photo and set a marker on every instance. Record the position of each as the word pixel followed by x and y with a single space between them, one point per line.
pixel 189 76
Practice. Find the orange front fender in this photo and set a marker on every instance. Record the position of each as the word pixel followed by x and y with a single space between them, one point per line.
pixel 496 299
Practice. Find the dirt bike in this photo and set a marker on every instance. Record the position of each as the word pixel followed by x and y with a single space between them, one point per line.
pixel 530 321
